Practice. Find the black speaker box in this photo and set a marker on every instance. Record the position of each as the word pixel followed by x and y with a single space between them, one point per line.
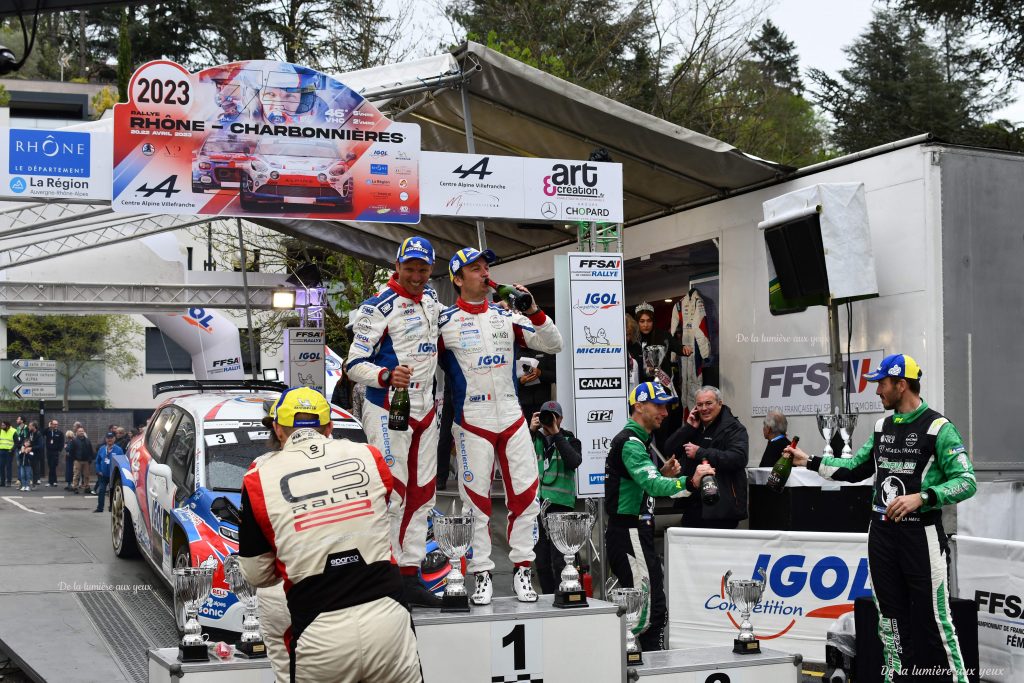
pixel 867 666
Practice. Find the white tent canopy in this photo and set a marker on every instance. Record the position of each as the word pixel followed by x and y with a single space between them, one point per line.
pixel 515 110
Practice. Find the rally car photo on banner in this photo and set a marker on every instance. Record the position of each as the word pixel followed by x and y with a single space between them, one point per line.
pixel 260 138
pixel 175 496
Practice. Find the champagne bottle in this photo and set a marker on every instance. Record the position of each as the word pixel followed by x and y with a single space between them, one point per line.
pixel 708 488
pixel 398 414
pixel 517 300
pixel 779 475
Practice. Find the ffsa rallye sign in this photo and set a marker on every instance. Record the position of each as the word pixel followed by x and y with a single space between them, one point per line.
pixel 260 138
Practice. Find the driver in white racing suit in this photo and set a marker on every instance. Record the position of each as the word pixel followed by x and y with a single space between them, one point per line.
pixel 477 346
pixel 394 344
pixel 315 516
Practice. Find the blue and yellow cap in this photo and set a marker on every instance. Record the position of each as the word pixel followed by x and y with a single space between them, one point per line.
pixel 463 257
pixel 415 247
pixel 650 392
pixel 897 366
pixel 301 400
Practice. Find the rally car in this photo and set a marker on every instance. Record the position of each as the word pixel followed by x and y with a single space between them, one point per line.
pixel 175 496
pixel 310 173
pixel 218 163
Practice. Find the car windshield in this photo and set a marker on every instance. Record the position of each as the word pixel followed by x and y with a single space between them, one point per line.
pixel 297 149
pixel 228 147
pixel 231 446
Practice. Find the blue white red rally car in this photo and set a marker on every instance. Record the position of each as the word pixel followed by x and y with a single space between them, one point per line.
pixel 175 496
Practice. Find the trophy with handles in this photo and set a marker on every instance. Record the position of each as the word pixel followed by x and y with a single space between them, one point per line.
pixel 631 604
pixel 192 585
pixel 847 423
pixel 250 643
pixel 827 425
pixel 569 531
pixel 454 534
pixel 745 594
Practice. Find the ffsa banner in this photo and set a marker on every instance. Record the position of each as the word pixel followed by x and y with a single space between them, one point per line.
pixel 260 138
pixel 991 572
pixel 799 386
pixel 812 579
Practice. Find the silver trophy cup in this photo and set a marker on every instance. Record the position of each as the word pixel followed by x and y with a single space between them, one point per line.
pixel 654 355
pixel 192 585
pixel 569 531
pixel 631 602
pixel 251 642
pixel 827 425
pixel 745 594
pixel 454 535
pixel 847 423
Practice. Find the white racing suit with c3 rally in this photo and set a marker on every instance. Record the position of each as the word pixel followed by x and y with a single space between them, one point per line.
pixel 916 452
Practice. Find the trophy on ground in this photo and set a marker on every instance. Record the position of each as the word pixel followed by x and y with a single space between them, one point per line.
pixel 847 423
pixel 745 594
pixel 454 534
pixel 569 531
pixel 631 600
pixel 192 585
pixel 250 643
pixel 827 424
pixel 654 354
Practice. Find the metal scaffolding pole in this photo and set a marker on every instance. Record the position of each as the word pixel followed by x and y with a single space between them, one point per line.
pixel 248 307
pixel 467 119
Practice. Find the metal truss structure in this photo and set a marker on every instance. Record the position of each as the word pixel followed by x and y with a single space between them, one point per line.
pixel 128 298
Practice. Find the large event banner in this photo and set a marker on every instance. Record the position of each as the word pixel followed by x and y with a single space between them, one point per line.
pixel 812 579
pixel 260 138
pixel 599 361
pixel 492 186
pixel 991 572
pixel 799 386
pixel 55 164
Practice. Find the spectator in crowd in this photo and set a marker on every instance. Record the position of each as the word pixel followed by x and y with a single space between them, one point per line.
pixel 713 434
pixel 6 453
pixel 632 340
pixel 38 451
pixel 559 453
pixel 84 455
pixel 25 460
pixel 20 432
pixel 54 440
pixel 69 458
pixel 535 383
pixel 774 431
pixel 104 457
pixel 122 438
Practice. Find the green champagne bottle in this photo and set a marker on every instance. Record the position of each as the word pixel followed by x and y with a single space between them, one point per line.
pixel 398 414
pixel 779 475
pixel 517 299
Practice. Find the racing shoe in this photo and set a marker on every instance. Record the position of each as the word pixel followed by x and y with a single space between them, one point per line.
pixel 522 584
pixel 484 589
pixel 416 594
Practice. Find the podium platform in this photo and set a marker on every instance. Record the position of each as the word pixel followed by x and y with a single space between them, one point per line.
pixel 510 641
pixel 717 665
pixel 164 667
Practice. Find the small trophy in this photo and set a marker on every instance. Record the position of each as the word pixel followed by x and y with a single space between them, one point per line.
pixel 192 585
pixel 827 423
pixel 631 602
pixel 745 594
pixel 847 423
pixel 250 643
pixel 569 531
pixel 654 354
pixel 454 534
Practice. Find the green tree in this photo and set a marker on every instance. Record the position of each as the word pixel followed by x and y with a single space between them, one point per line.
pixel 775 56
pixel 103 100
pixel 75 342
pixel 124 60
pixel 899 85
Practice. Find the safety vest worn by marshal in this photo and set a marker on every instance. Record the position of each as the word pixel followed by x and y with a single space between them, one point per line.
pixel 909 453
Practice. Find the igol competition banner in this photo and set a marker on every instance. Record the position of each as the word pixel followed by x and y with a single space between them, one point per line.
pixel 260 138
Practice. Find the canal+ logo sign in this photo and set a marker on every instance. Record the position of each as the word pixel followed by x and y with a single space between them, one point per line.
pixel 795 589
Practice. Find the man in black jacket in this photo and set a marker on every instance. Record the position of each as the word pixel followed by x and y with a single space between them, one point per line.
pixel 54 439
pixel 35 437
pixel 774 431
pixel 713 434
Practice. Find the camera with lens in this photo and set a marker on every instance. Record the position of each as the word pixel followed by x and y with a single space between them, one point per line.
pixel 547 418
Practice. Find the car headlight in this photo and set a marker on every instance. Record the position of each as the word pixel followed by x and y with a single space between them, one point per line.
pixel 259 166
pixel 230 534
pixel 205 165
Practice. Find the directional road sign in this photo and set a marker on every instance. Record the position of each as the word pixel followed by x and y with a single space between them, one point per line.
pixel 35 376
pixel 39 391
pixel 30 364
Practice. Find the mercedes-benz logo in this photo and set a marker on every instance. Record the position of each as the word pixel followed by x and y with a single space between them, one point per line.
pixel 548 210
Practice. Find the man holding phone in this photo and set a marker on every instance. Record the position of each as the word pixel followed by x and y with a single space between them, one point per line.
pixel 559 453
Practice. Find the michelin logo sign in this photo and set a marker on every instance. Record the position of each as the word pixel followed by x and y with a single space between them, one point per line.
pixel 55 164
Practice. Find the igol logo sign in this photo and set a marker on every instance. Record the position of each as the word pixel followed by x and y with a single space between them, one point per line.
pixel 198 317
pixel 593 302
pixel 791 585
pixel 49 153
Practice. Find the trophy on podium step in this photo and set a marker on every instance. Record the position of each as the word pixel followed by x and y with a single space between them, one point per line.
pixel 631 604
pixel 251 642
pixel 192 585
pixel 569 531
pixel 454 535
pixel 745 594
